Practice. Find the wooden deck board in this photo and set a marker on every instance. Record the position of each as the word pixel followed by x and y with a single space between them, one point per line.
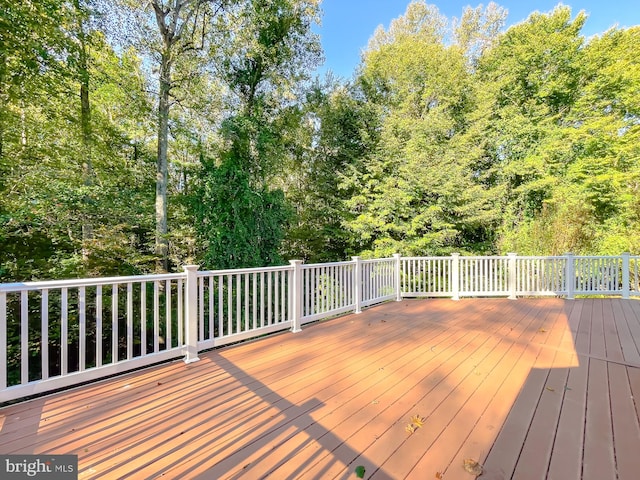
pixel 533 388
pixel 626 432
pixel 599 459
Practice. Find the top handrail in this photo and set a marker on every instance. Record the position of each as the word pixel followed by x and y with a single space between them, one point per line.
pixel 240 271
pixel 87 282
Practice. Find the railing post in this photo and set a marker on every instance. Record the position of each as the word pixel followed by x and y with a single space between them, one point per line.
pixel 296 295
pixel 625 274
pixel 455 276
pixel 191 314
pixel 513 275
pixel 570 276
pixel 398 264
pixel 357 284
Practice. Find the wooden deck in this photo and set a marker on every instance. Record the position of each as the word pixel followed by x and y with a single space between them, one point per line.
pixel 532 389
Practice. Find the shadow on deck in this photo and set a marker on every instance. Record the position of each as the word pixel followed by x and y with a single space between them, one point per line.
pixel 533 388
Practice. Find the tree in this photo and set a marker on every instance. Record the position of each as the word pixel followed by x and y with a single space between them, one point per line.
pixel 338 132
pixel 177 37
pixel 45 199
pixel 530 80
pixel 33 40
pixel 601 136
pixel 477 29
pixel 177 24
pixel 268 52
pixel 416 194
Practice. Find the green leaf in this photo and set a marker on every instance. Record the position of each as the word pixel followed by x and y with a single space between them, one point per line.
pixel 360 471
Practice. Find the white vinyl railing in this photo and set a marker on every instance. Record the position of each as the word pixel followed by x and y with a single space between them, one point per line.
pixel 56 334
pixel 234 305
pixel 60 333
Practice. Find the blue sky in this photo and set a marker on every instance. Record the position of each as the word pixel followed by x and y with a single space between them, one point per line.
pixel 348 24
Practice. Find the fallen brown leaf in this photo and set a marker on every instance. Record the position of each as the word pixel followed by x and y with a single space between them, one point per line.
pixel 472 467
pixel 439 475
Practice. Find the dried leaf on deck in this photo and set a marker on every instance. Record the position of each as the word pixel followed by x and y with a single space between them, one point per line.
pixel 439 475
pixel 417 420
pixel 472 467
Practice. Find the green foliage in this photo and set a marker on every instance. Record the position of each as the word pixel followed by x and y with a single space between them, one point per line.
pixel 46 199
pixel 237 225
pixel 453 136
pixel 241 214
pixel 567 158
pixel 417 194
pixel 339 131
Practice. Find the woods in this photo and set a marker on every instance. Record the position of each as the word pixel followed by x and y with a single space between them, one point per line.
pixel 138 140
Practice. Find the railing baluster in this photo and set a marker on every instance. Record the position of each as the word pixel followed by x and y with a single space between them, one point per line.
pixel 220 306
pixel 156 317
pixel 262 301
pixel 143 318
pixel 255 300
pixel 129 321
pixel 238 303
pixel 212 295
pixel 64 332
pixel 24 336
pixel 229 304
pixel 283 292
pixel 44 333
pixel 82 329
pixel 168 334
pixel 247 304
pixel 180 309
pixel 276 298
pixel 99 340
pixel 201 309
pixel 269 298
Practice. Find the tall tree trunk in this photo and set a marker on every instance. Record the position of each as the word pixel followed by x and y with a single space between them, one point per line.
pixel 23 123
pixel 87 164
pixel 4 100
pixel 162 242
pixel 171 24
pixel 85 126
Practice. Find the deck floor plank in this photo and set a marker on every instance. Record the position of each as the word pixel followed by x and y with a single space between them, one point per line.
pixel 536 452
pixel 631 310
pixel 436 412
pixel 598 346
pixel 354 412
pixel 599 459
pixel 524 387
pixel 612 340
pixel 626 431
pixel 628 346
pixel 566 458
